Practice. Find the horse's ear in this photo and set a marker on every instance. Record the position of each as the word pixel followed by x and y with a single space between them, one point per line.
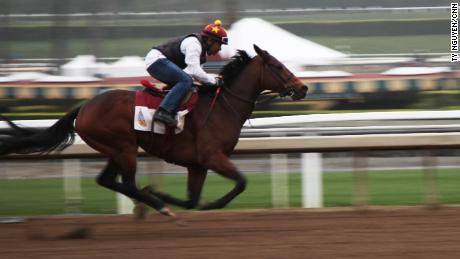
pixel 262 53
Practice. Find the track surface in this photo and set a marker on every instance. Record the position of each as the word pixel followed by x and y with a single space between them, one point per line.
pixel 300 233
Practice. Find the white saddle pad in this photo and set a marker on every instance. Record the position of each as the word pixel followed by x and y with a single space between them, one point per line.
pixel 143 120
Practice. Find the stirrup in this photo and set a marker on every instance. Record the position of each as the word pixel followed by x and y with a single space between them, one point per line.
pixel 165 117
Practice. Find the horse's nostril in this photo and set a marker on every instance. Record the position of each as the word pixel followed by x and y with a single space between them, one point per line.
pixel 305 88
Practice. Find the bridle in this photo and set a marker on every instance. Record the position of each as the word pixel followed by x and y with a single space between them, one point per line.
pixel 289 91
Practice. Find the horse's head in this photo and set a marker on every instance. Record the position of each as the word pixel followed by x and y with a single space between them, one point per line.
pixel 276 77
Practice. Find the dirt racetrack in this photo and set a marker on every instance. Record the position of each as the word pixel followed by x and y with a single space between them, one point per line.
pixel 291 233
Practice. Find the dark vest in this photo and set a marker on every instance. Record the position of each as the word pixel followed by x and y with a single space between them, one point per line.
pixel 171 50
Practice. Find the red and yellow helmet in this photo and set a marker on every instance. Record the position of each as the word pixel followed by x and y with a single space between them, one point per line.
pixel 216 32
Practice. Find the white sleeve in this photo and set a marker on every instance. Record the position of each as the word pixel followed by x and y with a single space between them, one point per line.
pixel 191 48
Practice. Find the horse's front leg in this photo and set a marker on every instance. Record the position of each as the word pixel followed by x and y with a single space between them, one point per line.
pixel 195 181
pixel 222 165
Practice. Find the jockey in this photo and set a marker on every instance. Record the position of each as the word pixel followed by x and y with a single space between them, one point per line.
pixel 178 62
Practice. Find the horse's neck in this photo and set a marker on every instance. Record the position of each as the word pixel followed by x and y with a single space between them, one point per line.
pixel 246 87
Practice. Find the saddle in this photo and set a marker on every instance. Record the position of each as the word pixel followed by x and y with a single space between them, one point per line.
pixel 161 92
pixel 149 99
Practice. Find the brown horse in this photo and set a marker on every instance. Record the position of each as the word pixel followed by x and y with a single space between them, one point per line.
pixel 106 124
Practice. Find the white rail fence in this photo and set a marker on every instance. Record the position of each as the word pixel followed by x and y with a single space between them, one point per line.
pixel 310 147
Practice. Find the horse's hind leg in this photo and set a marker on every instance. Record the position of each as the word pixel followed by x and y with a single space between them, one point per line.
pixel 126 167
pixel 195 181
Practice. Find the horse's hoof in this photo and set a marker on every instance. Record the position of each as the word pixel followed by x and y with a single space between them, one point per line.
pixel 140 211
pixel 167 212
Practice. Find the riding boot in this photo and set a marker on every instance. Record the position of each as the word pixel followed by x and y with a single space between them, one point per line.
pixel 166 117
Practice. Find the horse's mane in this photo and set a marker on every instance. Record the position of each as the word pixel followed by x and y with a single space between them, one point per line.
pixel 233 68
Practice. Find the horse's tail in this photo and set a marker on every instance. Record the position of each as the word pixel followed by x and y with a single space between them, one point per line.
pixel 57 137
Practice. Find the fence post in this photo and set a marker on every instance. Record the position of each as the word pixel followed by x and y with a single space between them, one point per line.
pixel 312 184
pixel 72 185
pixel 126 205
pixel 279 180
pixel 360 175
pixel 430 178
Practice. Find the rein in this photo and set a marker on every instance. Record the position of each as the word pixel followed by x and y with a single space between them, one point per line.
pixel 213 103
pixel 220 91
pixel 227 90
